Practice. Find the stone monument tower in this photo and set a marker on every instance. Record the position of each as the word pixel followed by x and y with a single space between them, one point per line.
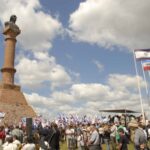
pixel 12 100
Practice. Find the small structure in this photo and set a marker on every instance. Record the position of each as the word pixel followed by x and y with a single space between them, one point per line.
pixel 118 111
pixel 123 111
pixel 12 100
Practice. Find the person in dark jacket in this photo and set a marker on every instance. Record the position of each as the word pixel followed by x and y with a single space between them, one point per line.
pixel 54 137
pixel 44 133
pixel 123 140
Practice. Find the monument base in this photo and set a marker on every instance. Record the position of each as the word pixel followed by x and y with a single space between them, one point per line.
pixel 14 104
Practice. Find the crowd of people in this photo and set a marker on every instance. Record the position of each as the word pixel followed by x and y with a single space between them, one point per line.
pixel 115 134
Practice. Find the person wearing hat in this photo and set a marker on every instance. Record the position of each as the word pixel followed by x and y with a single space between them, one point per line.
pixel 140 139
pixel 132 125
pixel 94 141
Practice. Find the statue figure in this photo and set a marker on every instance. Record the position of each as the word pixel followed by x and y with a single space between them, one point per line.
pixel 11 24
pixel 13 18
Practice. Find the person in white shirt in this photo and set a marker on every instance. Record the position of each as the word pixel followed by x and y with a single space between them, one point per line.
pixel 10 145
pixel 69 135
pixel 6 141
pixel 29 145
pixel 113 130
pixel 94 142
pixel 16 141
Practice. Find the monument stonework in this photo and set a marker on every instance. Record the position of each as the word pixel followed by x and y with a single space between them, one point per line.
pixel 12 100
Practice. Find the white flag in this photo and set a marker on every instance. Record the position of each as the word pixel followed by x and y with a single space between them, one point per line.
pixel 142 54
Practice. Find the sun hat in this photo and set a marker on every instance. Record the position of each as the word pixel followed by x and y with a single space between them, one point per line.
pixel 133 123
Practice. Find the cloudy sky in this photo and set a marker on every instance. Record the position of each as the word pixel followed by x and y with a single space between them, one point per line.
pixel 76 56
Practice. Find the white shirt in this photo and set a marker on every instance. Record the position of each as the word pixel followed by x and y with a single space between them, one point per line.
pixel 10 146
pixel 113 131
pixel 28 146
pixel 149 132
pixel 101 130
pixel 69 133
pixel 94 138
pixel 17 142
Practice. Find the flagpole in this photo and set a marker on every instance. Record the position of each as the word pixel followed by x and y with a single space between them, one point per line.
pixel 139 89
pixel 146 86
pixel 148 74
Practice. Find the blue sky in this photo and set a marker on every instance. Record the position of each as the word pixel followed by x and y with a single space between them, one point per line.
pixel 75 56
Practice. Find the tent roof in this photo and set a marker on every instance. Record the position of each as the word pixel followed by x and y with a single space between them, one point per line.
pixel 118 111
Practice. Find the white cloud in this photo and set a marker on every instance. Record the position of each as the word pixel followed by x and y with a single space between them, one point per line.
pixel 59 76
pixel 89 98
pixel 89 91
pixel 107 23
pixel 34 72
pixel 42 105
pixel 125 82
pixel 62 97
pixel 38 29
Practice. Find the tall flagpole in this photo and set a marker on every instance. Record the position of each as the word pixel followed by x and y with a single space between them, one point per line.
pixel 139 89
pixel 146 85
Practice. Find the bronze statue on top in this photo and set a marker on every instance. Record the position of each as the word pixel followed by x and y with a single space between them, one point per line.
pixel 11 24
pixel 13 19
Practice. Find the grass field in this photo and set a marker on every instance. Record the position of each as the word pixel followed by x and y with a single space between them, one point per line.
pixel 63 146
